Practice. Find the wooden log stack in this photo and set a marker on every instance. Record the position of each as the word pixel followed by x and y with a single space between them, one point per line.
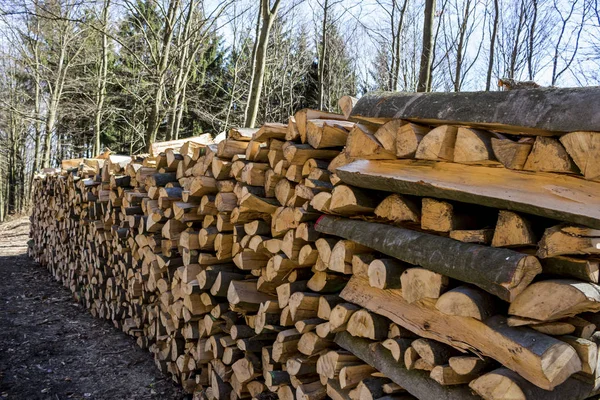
pixel 361 258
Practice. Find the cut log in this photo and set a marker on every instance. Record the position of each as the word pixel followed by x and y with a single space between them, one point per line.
pixel 397 209
pixel 408 139
pixel 397 347
pixel 482 236
pixel 474 146
pixel 385 273
pixel 561 197
pixel 548 155
pixel 434 353
pixel 438 144
pixel 584 148
pixel 513 230
pixel 504 384
pixel 388 132
pixel 543 360
pixel 557 241
pixel 583 269
pixel 512 155
pixel 445 375
pixel 346 104
pixel 558 110
pixel 569 298
pixel 363 144
pixel 368 325
pixel 346 200
pixel 415 382
pixel 467 262
pixel 442 216
pixel 420 283
pixel 465 365
pixel 467 301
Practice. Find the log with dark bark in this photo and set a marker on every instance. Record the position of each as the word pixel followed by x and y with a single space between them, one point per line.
pixel 415 382
pixel 550 111
pixel 467 262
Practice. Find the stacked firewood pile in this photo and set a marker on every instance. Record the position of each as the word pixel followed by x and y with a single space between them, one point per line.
pixel 385 255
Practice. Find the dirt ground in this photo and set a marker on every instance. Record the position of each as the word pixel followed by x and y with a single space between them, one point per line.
pixel 52 348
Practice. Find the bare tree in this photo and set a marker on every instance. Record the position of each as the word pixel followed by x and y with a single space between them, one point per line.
pixel 268 14
pixel 427 49
pixel 561 51
pixel 495 20
pixel 102 76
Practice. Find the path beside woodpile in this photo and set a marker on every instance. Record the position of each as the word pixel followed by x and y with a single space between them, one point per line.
pixel 51 348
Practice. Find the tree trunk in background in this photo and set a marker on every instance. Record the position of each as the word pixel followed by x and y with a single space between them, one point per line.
pixel 253 60
pixel 425 66
pixel 398 46
pixel 531 41
pixel 103 73
pixel 461 46
pixel 154 119
pixel 37 111
pixel 322 54
pixel 268 16
pixel 184 43
pixel 488 80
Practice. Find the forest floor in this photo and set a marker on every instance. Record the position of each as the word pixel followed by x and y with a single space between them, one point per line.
pixel 52 348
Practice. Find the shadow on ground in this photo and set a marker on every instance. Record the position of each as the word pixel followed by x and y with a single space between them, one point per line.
pixel 52 348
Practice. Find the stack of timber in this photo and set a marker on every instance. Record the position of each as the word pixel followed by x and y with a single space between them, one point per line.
pixel 428 246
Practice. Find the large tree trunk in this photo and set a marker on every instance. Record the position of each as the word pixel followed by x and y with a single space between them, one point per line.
pixel 103 73
pixel 322 55
pixel 467 262
pixel 551 111
pixel 154 119
pixel 268 17
pixel 488 80
pixel 427 49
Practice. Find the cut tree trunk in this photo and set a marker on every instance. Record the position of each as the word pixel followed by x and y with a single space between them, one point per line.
pixel 550 111
pixel 539 194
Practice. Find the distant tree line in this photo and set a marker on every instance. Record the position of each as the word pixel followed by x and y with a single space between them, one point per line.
pixel 79 76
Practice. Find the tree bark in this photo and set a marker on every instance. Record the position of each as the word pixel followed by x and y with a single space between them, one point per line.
pixel 488 80
pixel 466 262
pixel 268 17
pixel 427 49
pixel 553 110
pixel 161 71
pixel 416 382
pixel 322 54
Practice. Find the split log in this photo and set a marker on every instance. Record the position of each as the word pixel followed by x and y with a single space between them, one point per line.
pixel 584 148
pixel 568 298
pixel 540 194
pixel 397 208
pixel 463 261
pixel 474 146
pixel 563 239
pixel 438 144
pixel 549 155
pixel 512 155
pixel 513 230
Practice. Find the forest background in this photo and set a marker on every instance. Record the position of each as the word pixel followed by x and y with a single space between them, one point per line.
pixel 77 76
